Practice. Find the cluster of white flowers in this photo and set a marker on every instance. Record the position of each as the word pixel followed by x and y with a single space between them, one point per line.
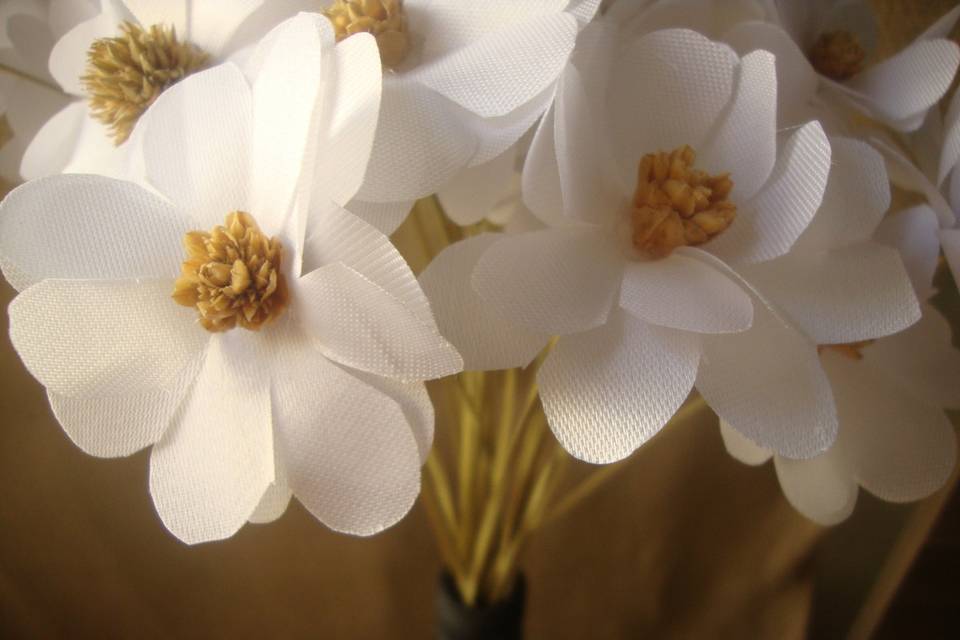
pixel 688 195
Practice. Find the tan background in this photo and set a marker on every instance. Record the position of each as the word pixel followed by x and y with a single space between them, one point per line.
pixel 684 543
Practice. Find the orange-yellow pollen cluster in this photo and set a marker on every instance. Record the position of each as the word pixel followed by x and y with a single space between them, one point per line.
pixel 852 350
pixel 384 19
pixel 837 55
pixel 676 205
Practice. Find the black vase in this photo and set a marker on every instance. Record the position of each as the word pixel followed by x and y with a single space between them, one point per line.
pixel 502 620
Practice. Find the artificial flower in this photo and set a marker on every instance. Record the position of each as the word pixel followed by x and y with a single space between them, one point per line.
pixel 276 363
pixel 116 63
pixel 637 270
pixel 472 79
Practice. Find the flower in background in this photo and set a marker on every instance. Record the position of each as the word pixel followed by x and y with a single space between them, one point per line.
pixel 660 176
pixel 119 57
pixel 278 362
pixel 463 81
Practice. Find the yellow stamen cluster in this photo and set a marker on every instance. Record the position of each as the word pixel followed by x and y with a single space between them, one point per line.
pixel 127 73
pixel 676 205
pixel 837 55
pixel 232 275
pixel 384 19
pixel 852 350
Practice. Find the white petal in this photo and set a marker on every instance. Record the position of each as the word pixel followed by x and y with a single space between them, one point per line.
pixel 904 174
pixel 745 144
pixel 555 281
pixel 694 80
pixel 855 293
pixel 822 488
pixel 484 339
pixel 414 401
pixel 767 384
pixel 82 221
pixel 348 119
pixel 950 240
pixel 796 79
pixel 65 14
pixel 339 236
pixel 349 454
pixel 950 153
pixel 900 447
pixel 95 153
pixel 472 195
pixel 358 324
pixel 505 68
pixel 273 503
pixel 251 30
pixel 913 232
pixel 200 162
pixel 84 338
pixel 768 225
pixel 682 292
pixel 115 426
pixel 53 146
pixel 68 58
pixel 910 82
pixel 741 447
pixel 607 391
pixel 212 467
pixel 943 26
pixel 541 187
pixel 384 216
pixel 856 199
pixel 921 359
pixel 28 108
pixel 169 12
pixel 211 25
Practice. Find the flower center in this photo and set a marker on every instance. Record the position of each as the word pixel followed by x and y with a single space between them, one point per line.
pixel 852 350
pixel 384 19
pixel 676 205
pixel 127 73
pixel 232 275
pixel 837 55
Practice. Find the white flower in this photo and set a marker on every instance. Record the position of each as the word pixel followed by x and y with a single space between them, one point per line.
pixel 894 439
pixel 476 77
pixel 73 140
pixel 323 401
pixel 637 332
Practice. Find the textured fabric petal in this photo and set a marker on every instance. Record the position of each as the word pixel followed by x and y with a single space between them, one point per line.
pixel 856 199
pixel 414 401
pixel 211 26
pixel 950 152
pixel 607 391
pixel 472 195
pixel 899 447
pixel 820 488
pixel 83 338
pixel 171 12
pixel 63 15
pixel 348 119
pixel 921 359
pixel 855 293
pixel 384 216
pixel 768 225
pixel 768 385
pixel 92 227
pixel 55 142
pixel 683 292
pixel 556 281
pixel 200 161
pixel 348 450
pixel 95 153
pixel 911 81
pixel 741 448
pixel 797 81
pixel 273 503
pixel 484 339
pixel 116 426
pixel 68 58
pixel 540 183
pixel 694 80
pixel 904 174
pixel 28 107
pixel 356 323
pixel 477 78
pixel 213 465
pixel 913 232
pixel 745 142
pixel 340 236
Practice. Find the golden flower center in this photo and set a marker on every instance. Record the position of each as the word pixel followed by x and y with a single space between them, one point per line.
pixel 837 55
pixel 232 275
pixel 384 19
pixel 676 205
pixel 127 73
pixel 852 350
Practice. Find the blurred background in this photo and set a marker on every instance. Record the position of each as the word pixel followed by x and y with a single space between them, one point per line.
pixel 684 542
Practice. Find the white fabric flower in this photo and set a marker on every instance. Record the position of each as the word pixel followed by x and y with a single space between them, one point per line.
pixel 478 76
pixel 72 141
pixel 322 403
pixel 636 333
pixel 894 439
